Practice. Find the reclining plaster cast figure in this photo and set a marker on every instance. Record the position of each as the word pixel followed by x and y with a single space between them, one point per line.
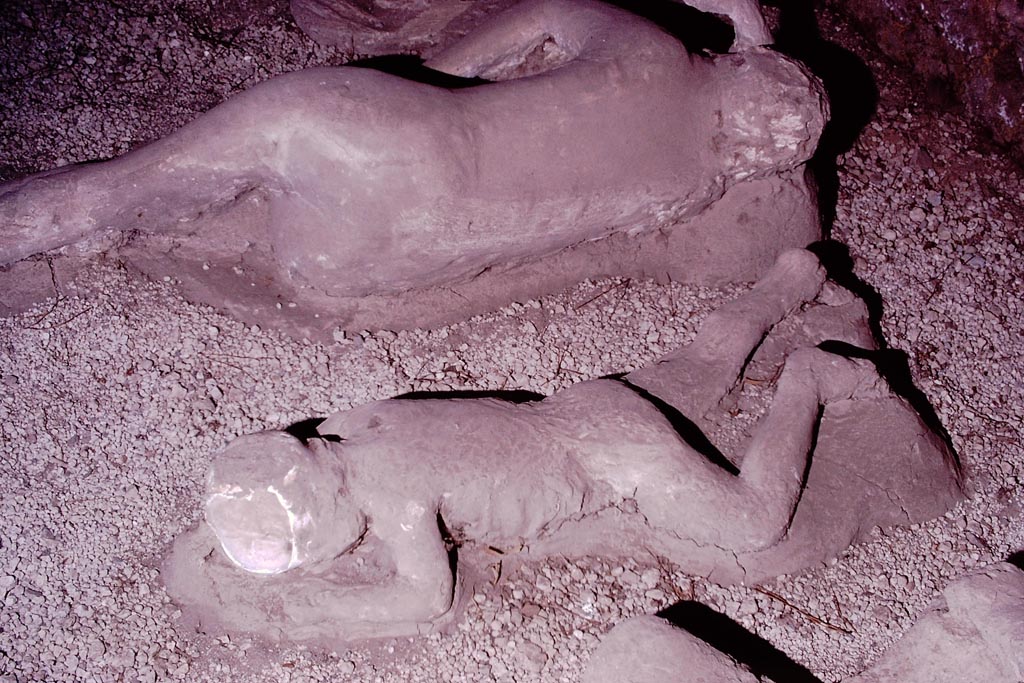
pixel 597 468
pixel 599 122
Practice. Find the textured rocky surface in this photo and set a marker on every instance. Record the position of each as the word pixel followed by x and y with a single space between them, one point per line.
pixel 968 50
pixel 112 403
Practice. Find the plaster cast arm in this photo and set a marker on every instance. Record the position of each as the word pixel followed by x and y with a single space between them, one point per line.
pixel 420 589
pixel 500 46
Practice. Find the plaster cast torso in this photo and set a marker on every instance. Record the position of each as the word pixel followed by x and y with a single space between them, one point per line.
pixel 458 467
pixel 495 172
pixel 507 475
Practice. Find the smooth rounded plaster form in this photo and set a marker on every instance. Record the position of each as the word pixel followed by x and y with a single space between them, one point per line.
pixel 973 631
pixel 275 505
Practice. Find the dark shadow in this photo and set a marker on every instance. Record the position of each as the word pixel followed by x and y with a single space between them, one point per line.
pixel 808 463
pixel 509 396
pixel 411 67
pixel 1017 559
pixel 687 430
pixel 698 31
pixel 835 258
pixel 849 83
pixel 305 431
pixel 452 543
pixel 892 364
pixel 725 635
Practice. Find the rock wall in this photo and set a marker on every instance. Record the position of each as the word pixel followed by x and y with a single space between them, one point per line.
pixel 970 50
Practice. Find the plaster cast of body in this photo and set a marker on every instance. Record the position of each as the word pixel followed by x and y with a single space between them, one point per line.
pixel 597 468
pixel 600 122
pixel 971 632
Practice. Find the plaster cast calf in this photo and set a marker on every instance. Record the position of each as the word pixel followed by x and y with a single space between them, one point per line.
pixel 597 468
pixel 599 122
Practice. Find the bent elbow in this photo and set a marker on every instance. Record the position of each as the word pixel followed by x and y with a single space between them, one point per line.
pixel 430 599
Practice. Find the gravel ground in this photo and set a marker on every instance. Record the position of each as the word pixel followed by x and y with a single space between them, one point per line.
pixel 111 405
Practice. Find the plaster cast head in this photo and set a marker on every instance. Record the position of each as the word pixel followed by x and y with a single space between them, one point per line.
pixel 275 504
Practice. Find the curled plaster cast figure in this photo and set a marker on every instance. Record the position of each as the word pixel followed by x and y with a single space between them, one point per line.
pixel 597 122
pixel 597 468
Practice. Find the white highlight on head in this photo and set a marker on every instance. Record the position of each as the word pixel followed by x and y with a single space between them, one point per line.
pixel 295 560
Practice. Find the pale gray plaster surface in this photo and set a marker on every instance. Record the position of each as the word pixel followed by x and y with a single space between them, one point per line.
pixel 648 649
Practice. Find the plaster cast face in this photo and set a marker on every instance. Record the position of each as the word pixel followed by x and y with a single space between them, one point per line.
pixel 257 529
pixel 274 505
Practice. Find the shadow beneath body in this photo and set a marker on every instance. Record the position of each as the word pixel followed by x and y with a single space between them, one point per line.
pixel 725 635
pixel 849 84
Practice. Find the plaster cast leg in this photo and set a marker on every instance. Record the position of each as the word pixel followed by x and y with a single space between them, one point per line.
pixel 697 377
pixel 498 49
pixel 753 510
pixel 319 142
pixel 159 185
pixel 775 462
